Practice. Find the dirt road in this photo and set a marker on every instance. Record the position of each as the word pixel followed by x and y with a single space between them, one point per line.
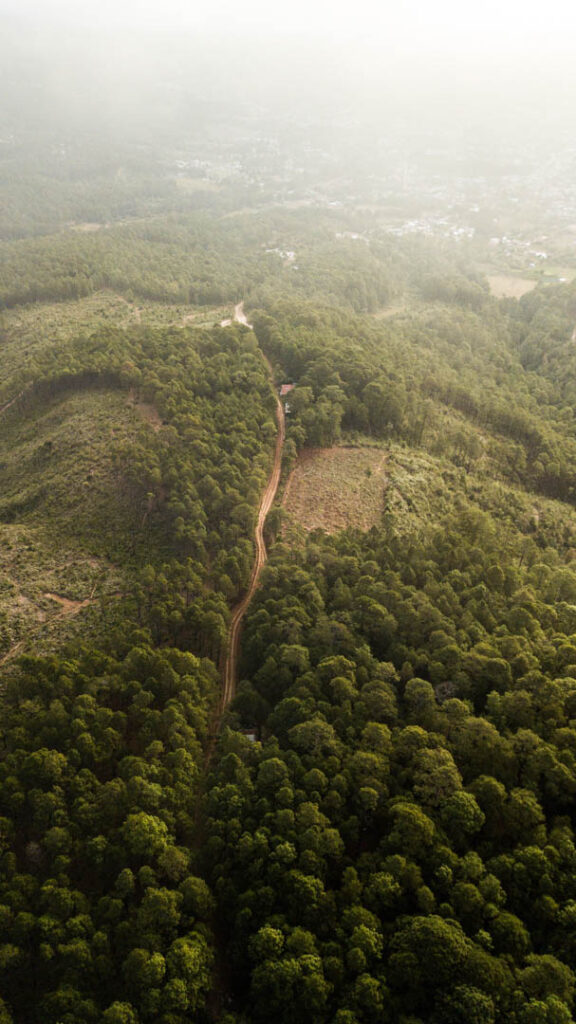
pixel 230 664
pixel 240 316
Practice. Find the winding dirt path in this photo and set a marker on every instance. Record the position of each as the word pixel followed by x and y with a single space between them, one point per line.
pixel 240 316
pixel 229 671
pixel 230 665
pixel 8 405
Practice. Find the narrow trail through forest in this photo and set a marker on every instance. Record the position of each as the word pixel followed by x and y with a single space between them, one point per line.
pixel 221 984
pixel 230 664
pixel 229 671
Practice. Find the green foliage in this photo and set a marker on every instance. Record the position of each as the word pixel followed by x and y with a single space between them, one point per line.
pixel 97 783
pixel 399 844
pixel 407 806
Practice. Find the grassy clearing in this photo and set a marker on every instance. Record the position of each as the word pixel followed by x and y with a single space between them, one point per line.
pixel 333 488
pixel 505 286
pixel 413 490
pixel 68 533
pixel 420 490
pixel 49 594
pixel 558 274
pixel 424 491
pixel 56 469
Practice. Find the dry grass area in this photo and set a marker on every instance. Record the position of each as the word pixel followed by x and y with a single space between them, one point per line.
pixel 43 588
pixel 335 488
pixel 504 286
pixel 411 492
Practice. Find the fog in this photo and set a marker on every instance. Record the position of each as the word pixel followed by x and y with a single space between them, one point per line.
pixel 303 47
pixel 496 71
pixel 445 25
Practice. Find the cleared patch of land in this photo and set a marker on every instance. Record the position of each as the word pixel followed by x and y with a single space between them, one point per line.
pixel 414 491
pixel 72 527
pixel 559 272
pixel 57 469
pixel 69 526
pixel 148 412
pixel 504 286
pixel 48 592
pixel 425 491
pixel 335 488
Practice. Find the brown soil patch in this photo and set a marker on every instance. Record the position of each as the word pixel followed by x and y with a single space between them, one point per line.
pixel 336 488
pixel 68 607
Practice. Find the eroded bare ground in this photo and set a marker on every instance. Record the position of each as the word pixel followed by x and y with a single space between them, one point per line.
pixel 335 488
pixel 69 607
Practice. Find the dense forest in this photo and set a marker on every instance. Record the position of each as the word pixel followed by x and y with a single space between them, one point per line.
pixel 379 829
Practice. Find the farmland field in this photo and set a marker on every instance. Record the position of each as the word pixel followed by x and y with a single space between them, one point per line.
pixel 335 488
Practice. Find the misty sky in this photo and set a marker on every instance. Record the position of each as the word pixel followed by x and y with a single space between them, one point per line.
pixel 449 26
pixel 486 62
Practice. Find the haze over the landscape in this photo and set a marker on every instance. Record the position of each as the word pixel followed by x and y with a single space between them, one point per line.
pixel 287 512
pixel 445 25
pixel 489 64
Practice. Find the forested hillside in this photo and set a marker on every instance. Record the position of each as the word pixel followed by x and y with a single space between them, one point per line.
pixel 379 828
